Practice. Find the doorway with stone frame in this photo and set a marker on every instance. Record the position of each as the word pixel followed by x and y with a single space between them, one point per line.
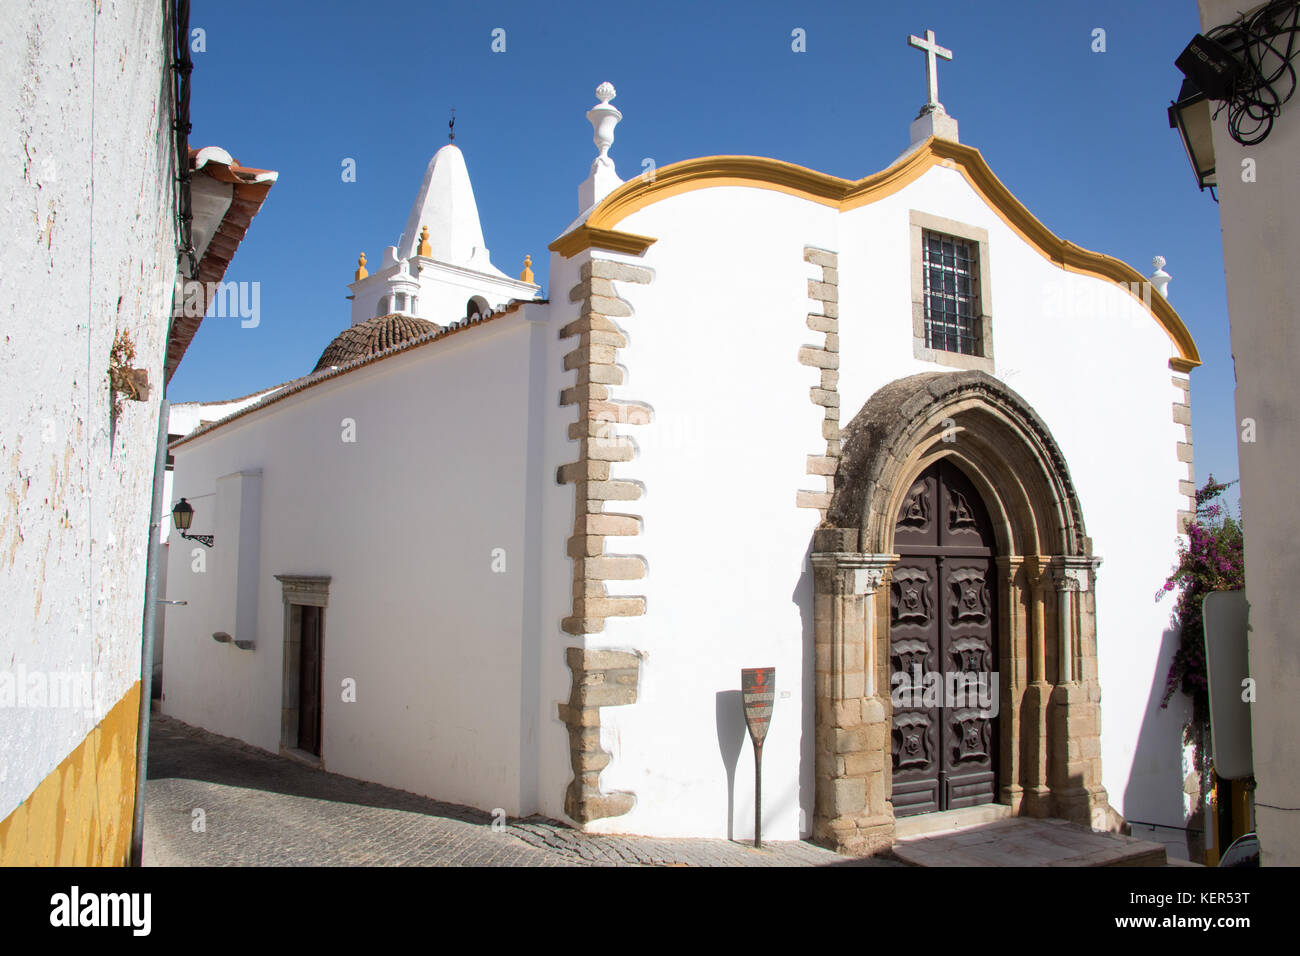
pixel 305 598
pixel 1048 755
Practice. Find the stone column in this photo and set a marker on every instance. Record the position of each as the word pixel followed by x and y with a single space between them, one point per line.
pixel 1037 797
pixel 852 813
pixel 1013 662
pixel 1076 712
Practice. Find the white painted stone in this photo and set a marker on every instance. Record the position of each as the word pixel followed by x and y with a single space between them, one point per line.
pixel 932 123
pixel 445 203
pixel 1160 278
pixel 604 178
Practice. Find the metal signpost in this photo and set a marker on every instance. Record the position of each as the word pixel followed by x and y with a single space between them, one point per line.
pixel 757 691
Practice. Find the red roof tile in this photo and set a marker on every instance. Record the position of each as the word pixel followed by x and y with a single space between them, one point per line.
pixel 250 188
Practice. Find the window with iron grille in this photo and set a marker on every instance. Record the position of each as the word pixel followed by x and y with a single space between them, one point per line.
pixel 952 301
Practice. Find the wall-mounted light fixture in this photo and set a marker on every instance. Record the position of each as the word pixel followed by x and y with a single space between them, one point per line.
pixel 183 517
pixel 1190 115
pixel 1246 68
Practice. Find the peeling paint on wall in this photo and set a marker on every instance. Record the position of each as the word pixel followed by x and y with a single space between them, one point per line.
pixel 87 197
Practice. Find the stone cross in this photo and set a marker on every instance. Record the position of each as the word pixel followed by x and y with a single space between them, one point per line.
pixel 932 51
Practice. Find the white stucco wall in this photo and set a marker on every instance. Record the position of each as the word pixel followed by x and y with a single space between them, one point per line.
pixel 183 418
pixel 713 347
pixel 1261 245
pixel 87 208
pixel 406 521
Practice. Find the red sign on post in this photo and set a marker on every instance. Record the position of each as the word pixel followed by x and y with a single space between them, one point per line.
pixel 757 692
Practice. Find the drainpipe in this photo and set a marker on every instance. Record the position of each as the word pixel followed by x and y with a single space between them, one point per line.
pixel 180 63
pixel 146 644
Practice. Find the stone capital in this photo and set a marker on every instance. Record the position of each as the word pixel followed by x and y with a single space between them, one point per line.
pixel 854 572
pixel 1075 573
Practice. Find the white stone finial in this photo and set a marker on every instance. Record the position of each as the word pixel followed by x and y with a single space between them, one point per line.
pixel 1160 278
pixel 603 179
pixel 604 118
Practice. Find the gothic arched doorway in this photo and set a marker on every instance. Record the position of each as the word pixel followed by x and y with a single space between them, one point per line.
pixel 943 647
pixel 1021 519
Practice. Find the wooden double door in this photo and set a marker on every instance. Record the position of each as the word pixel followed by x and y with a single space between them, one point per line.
pixel 943 644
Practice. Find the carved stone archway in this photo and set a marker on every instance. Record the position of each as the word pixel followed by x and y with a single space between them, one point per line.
pixel 1050 753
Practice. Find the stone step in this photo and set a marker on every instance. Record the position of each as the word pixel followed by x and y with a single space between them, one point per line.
pixel 1025 841
pixel 906 827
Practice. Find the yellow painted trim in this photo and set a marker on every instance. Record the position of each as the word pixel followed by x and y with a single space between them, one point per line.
pixel 585 237
pixel 844 194
pixel 81 813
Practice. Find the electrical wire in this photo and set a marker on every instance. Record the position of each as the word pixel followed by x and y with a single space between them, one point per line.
pixel 183 66
pixel 1265 42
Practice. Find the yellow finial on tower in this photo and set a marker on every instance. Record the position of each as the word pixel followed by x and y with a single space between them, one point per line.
pixel 527 274
pixel 425 249
pixel 361 266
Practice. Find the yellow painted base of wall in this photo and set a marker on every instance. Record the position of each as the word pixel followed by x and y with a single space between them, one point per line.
pixel 81 814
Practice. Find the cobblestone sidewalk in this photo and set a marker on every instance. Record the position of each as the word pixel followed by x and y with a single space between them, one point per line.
pixel 259 809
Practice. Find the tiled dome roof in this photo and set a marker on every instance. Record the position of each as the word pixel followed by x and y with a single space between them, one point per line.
pixel 373 335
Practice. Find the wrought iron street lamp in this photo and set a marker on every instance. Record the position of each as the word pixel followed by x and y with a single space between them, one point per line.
pixel 183 517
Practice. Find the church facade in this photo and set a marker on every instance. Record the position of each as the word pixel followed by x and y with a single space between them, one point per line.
pixel 890 436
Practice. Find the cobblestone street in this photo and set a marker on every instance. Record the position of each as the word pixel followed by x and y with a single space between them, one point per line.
pixel 260 809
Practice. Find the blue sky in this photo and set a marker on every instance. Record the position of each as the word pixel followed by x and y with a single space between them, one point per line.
pixel 1081 138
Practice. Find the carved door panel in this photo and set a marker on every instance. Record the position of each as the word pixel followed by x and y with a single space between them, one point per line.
pixel 970 657
pixel 943 647
pixel 917 743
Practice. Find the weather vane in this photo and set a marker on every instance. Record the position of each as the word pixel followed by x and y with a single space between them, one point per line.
pixel 451 126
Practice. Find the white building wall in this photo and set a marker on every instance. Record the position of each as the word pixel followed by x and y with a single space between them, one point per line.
pixel 713 347
pixel 407 526
pixel 87 205
pixel 183 418
pixel 1261 245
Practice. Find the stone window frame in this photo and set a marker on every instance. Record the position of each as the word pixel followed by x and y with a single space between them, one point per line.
pixel 920 223
pixel 298 590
